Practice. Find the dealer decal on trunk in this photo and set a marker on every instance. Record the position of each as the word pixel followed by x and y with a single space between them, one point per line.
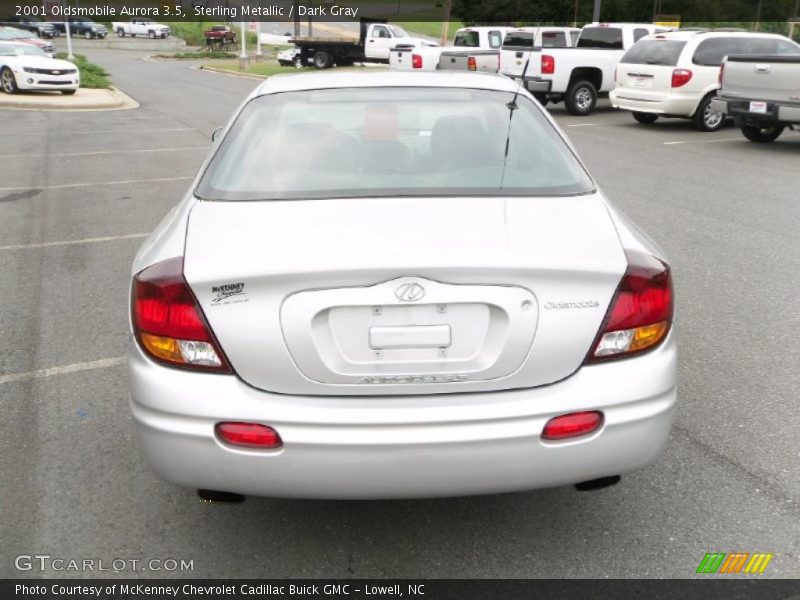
pixel 227 294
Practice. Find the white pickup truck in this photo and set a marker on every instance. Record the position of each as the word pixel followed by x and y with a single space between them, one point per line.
pixel 483 43
pixel 144 27
pixel 575 75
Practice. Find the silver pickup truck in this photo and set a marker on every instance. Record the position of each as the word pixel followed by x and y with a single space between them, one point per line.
pixel 761 93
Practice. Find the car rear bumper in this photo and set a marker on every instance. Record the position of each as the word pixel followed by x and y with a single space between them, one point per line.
pixel 535 85
pixel 402 446
pixel 740 109
pixel 676 105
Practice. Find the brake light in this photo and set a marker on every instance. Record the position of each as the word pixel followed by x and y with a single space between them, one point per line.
pixel 721 74
pixel 572 425
pixel 472 64
pixel 640 314
pixel 548 64
pixel 249 435
pixel 416 61
pixel 168 322
pixel 681 77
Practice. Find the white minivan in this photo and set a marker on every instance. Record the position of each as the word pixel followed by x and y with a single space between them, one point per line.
pixel 676 74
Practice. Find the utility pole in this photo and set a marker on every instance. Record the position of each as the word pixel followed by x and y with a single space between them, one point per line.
pixel 575 14
pixel 596 13
pixel 448 5
pixel 244 60
pixel 758 15
pixel 296 19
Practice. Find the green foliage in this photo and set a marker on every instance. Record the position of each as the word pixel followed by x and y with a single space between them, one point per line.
pixel 92 75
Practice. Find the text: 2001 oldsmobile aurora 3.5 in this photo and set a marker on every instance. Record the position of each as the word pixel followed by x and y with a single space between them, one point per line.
pixel 431 298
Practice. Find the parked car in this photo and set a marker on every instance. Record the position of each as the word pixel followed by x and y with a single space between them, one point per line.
pixel 143 27
pixel 25 67
pixel 375 40
pixel 220 35
pixel 575 75
pixel 482 43
pixel 290 57
pixel 761 93
pixel 676 74
pixel 12 34
pixel 507 329
pixel 42 29
pixel 83 27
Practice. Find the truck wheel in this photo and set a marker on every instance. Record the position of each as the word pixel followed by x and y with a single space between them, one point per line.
pixel 705 119
pixel 68 92
pixel 581 98
pixel 645 118
pixel 120 32
pixel 151 35
pixel 761 135
pixel 8 81
pixel 323 60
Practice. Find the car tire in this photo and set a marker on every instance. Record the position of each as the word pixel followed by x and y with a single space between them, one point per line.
pixel 68 92
pixel 581 98
pixel 151 35
pixel 705 119
pixel 120 32
pixel 8 81
pixel 644 118
pixel 88 35
pixel 762 135
pixel 323 60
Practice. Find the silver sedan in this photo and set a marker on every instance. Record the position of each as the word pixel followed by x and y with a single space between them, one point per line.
pixel 431 298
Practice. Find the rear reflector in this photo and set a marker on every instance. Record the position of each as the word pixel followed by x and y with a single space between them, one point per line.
pixel 416 61
pixel 572 425
pixel 249 435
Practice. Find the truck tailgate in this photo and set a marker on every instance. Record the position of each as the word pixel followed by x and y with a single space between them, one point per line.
pixel 485 61
pixel 762 77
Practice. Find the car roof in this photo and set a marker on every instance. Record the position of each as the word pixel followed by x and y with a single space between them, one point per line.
pixel 334 80
pixel 686 35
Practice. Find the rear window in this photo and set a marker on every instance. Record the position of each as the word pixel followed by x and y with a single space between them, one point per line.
pixel 518 39
pixel 711 52
pixel 654 52
pixel 467 39
pixel 495 39
pixel 554 39
pixel 601 37
pixel 389 142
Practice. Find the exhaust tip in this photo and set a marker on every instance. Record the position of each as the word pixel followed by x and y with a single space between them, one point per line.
pixel 598 484
pixel 217 496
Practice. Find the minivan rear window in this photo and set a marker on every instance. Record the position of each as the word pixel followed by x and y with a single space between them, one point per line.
pixel 518 39
pixel 601 37
pixel 654 52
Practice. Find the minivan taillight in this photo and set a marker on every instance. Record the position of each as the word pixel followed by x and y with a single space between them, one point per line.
pixel 416 61
pixel 168 322
pixel 472 64
pixel 681 77
pixel 640 313
pixel 548 64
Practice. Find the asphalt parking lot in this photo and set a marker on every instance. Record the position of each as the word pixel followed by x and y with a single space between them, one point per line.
pixel 79 192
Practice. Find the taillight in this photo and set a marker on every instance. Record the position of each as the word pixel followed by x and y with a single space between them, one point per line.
pixel 640 314
pixel 498 62
pixel 472 64
pixel 416 61
pixel 249 435
pixel 168 322
pixel 548 64
pixel 572 425
pixel 721 74
pixel 681 77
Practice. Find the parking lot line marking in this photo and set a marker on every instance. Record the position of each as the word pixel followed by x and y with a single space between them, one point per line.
pixel 110 238
pixel 102 152
pixel 584 125
pixel 703 141
pixel 76 185
pixel 104 363
pixel 110 131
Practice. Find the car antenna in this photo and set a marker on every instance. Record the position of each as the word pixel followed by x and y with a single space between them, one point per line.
pixel 512 106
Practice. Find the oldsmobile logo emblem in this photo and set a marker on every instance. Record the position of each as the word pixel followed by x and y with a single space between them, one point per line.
pixel 409 292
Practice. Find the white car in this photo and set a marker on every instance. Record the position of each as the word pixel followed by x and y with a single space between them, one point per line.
pixel 676 74
pixel 432 298
pixel 26 67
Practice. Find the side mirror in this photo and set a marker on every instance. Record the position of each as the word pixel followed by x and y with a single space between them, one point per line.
pixel 215 134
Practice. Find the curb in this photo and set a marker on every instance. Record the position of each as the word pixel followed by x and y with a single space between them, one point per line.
pixel 112 99
pixel 231 73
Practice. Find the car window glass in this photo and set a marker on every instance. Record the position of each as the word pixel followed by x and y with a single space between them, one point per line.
pixel 518 39
pixel 654 52
pixel 467 39
pixel 388 142
pixel 639 34
pixel 554 39
pixel 601 37
pixel 495 39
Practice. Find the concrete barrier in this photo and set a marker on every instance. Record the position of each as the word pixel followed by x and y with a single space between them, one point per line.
pixel 112 42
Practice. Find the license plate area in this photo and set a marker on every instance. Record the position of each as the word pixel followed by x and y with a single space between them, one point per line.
pixel 757 107
pixel 353 335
